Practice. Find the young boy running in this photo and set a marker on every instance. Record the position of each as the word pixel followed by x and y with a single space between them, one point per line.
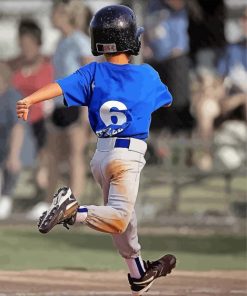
pixel 120 98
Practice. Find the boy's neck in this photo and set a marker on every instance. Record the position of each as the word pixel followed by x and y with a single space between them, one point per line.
pixel 120 58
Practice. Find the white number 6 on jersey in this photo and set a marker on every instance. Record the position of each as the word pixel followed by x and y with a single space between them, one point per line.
pixel 106 114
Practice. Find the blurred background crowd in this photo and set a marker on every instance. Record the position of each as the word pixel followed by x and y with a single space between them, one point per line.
pixel 199 48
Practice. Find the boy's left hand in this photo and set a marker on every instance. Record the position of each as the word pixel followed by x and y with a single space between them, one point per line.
pixel 22 109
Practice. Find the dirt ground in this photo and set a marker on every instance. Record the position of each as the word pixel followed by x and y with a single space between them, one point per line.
pixel 79 283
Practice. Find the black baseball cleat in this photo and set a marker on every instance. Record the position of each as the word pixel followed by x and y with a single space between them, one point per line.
pixel 154 270
pixel 62 211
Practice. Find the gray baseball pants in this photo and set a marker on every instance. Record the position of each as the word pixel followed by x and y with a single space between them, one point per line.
pixel 117 170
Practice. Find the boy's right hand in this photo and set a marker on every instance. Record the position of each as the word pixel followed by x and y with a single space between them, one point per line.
pixel 22 109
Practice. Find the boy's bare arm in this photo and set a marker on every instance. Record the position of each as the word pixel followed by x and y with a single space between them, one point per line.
pixel 47 92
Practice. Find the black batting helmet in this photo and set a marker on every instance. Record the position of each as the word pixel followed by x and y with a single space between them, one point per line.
pixel 113 29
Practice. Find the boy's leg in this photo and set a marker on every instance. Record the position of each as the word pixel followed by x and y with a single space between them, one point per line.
pixel 123 189
pixel 118 175
pixel 129 248
pixel 127 242
pixel 122 171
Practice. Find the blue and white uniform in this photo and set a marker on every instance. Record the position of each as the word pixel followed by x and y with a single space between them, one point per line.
pixel 120 100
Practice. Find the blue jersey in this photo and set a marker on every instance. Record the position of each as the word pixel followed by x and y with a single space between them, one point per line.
pixel 120 98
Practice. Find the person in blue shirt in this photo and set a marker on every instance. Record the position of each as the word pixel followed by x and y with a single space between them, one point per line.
pixel 120 98
pixel 167 48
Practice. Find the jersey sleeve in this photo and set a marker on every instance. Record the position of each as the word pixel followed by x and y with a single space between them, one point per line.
pixel 77 87
pixel 162 95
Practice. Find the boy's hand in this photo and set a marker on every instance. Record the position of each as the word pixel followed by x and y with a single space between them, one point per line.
pixel 47 92
pixel 22 109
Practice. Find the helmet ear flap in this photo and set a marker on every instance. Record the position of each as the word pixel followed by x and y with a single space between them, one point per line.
pixel 139 31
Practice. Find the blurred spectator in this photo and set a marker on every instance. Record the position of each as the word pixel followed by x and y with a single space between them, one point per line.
pixel 67 127
pixel 207 92
pixel 32 71
pixel 221 95
pixel 11 138
pixel 167 37
pixel 233 63
pixel 206 31
pixel 206 44
pixel 232 67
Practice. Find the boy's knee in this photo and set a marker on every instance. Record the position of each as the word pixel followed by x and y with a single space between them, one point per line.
pixel 122 223
pixel 120 218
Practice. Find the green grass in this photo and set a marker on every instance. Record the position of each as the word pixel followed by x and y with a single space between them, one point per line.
pixel 24 248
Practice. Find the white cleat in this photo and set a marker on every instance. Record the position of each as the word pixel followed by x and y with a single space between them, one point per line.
pixel 62 211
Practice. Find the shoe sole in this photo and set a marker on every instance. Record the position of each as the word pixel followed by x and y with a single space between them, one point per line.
pixel 45 228
pixel 139 293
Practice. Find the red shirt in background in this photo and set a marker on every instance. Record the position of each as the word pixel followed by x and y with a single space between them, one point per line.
pixel 27 84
